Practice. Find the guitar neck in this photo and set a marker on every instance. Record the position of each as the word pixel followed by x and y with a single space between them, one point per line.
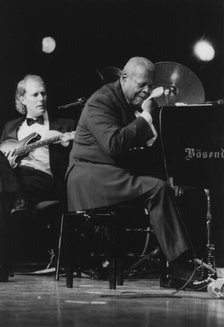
pixel 29 147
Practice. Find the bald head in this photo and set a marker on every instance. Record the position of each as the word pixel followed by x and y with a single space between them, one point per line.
pixel 137 79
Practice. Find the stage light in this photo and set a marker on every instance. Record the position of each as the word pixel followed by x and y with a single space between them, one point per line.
pixel 48 44
pixel 204 50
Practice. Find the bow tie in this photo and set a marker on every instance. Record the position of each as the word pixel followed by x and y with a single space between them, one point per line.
pixel 31 121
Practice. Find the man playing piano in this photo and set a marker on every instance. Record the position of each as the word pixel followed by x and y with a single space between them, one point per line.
pixel 117 118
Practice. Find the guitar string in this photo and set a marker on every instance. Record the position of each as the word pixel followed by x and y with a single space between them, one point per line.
pixel 26 148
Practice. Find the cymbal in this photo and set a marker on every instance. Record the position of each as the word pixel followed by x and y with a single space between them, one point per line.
pixel 180 84
pixel 110 74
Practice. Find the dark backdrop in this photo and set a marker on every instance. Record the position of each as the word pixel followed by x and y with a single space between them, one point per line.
pixel 92 34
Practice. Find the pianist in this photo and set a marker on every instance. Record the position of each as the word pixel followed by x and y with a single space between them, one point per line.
pixel 116 119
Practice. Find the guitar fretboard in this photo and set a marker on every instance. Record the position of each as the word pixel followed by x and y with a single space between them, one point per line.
pixel 29 147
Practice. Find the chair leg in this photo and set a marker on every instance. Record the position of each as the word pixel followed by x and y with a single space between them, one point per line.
pixel 69 274
pixel 119 254
pixel 120 272
pixel 59 248
pixel 113 274
pixel 69 257
pixel 72 246
pixel 113 253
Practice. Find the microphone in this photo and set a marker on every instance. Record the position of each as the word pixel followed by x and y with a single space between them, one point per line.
pixel 78 102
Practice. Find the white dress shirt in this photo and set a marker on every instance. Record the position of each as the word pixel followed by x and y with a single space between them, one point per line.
pixel 38 158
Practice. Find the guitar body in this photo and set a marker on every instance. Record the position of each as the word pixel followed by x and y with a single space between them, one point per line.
pixel 11 145
pixel 14 150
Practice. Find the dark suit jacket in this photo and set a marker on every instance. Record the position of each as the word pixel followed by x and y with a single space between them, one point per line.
pixel 8 183
pixel 58 154
pixel 8 187
pixel 99 174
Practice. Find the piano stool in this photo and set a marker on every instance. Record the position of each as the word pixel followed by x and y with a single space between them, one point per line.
pixel 73 224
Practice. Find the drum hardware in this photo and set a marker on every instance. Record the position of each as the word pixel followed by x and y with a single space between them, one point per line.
pixel 110 74
pixel 210 265
pixel 153 256
pixel 205 265
pixel 210 246
pixel 151 259
pixel 78 102
pixel 147 262
pixel 180 84
pixel 216 102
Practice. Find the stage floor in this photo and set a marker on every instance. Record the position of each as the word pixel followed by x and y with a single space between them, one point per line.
pixel 33 301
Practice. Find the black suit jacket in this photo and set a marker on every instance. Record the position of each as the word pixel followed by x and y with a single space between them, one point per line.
pixel 99 172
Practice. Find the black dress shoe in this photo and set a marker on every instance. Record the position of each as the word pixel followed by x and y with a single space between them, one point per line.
pixel 19 205
pixel 185 276
pixel 197 285
pixel 4 275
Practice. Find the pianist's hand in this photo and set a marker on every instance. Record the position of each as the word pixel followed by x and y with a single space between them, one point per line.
pixel 149 106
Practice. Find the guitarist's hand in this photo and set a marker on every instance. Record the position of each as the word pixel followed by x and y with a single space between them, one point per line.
pixel 66 137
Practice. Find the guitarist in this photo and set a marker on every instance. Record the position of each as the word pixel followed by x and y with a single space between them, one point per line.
pixel 41 173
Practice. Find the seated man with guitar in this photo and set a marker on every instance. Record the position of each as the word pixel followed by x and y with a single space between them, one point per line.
pixel 36 145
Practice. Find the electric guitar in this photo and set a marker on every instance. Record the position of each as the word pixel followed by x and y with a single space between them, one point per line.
pixel 19 149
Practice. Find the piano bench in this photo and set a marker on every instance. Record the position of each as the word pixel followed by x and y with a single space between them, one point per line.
pixel 74 224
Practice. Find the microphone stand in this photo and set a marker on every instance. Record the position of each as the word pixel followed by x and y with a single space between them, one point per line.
pixel 210 265
pixel 210 246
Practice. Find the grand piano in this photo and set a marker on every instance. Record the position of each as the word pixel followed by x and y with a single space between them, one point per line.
pixel 190 151
pixel 193 139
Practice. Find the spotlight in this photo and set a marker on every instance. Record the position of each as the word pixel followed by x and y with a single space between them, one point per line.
pixel 48 44
pixel 204 50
